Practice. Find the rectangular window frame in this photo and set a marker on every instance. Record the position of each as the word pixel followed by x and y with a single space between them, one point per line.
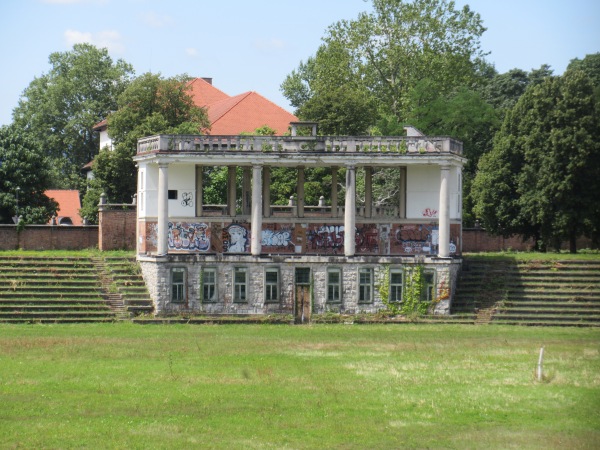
pixel 272 290
pixel 206 283
pixel 429 286
pixel 178 286
pixel 240 288
pixel 396 294
pixel 365 289
pixel 334 287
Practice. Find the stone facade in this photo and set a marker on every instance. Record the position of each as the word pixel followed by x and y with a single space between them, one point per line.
pixel 159 275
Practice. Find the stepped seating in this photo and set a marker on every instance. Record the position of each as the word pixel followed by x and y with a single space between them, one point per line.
pixel 70 289
pixel 530 293
pixel 129 283
pixel 51 289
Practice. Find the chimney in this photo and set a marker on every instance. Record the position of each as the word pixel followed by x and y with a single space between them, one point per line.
pixel 208 80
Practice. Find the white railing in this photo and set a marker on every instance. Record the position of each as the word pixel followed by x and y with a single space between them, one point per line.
pixel 265 144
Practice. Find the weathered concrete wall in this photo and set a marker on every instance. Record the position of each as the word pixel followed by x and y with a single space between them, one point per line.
pixel 157 273
pixel 47 237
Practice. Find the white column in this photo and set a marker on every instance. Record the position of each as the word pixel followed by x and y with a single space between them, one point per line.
pixel 334 192
pixel 246 191
pixel 231 188
pixel 163 209
pixel 266 193
pixel 350 212
pixel 199 192
pixel 300 192
pixel 256 220
pixel 368 192
pixel 444 214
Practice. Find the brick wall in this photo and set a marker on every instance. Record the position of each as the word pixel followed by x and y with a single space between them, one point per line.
pixel 478 240
pixel 117 227
pixel 45 237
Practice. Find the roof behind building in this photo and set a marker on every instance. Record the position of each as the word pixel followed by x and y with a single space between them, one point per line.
pixel 68 205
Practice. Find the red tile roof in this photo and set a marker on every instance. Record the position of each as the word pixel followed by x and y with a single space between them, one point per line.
pixel 242 113
pixel 68 205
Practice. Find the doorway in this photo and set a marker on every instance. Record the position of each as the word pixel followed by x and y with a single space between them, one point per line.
pixel 302 303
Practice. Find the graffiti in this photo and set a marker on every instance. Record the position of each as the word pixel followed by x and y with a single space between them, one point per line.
pixel 417 239
pixel 187 199
pixel 326 237
pixel 188 237
pixel 236 239
pixel 152 234
pixel 367 239
pixel 276 238
pixel 427 212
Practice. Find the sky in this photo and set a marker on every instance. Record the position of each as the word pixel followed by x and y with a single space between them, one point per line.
pixel 251 45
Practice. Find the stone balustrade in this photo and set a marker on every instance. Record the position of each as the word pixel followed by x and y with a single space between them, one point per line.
pixel 317 144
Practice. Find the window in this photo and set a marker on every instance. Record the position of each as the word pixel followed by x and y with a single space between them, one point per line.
pixel 396 278
pixel 177 284
pixel 365 285
pixel 272 284
pixel 240 284
pixel 334 285
pixel 302 276
pixel 428 286
pixel 172 194
pixel 209 284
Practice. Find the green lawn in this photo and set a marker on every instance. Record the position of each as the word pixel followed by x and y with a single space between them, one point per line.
pixel 277 386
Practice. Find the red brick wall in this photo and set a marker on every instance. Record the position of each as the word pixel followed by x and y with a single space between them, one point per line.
pixel 45 237
pixel 478 240
pixel 117 229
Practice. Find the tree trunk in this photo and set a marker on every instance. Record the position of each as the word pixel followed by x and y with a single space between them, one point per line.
pixel 573 243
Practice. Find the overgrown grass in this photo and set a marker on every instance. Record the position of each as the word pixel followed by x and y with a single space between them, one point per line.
pixel 587 255
pixel 321 386
pixel 87 253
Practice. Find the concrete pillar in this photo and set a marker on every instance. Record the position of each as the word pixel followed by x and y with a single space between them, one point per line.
pixel 368 192
pixel 199 193
pixel 163 209
pixel 256 220
pixel 300 192
pixel 231 188
pixel 402 203
pixel 334 192
pixel 444 213
pixel 266 191
pixel 246 194
pixel 350 212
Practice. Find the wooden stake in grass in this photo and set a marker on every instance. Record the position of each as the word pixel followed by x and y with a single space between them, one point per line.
pixel 540 369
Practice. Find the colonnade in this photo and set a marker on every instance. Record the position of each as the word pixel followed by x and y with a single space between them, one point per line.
pixel 256 203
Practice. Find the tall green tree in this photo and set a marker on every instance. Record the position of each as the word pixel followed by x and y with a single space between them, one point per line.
pixel 24 175
pixel 542 177
pixel 61 107
pixel 387 52
pixel 150 105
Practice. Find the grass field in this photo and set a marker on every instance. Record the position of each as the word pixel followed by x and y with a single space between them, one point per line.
pixel 277 386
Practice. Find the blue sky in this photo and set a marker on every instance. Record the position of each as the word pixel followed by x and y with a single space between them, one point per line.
pixel 251 45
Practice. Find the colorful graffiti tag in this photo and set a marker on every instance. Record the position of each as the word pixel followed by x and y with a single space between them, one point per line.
pixel 416 239
pixel 327 238
pixel 236 239
pixel 367 239
pixel 188 237
pixel 280 239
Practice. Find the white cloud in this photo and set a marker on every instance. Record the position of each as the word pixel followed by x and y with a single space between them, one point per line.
pixel 269 44
pixel 190 51
pixel 155 20
pixel 109 39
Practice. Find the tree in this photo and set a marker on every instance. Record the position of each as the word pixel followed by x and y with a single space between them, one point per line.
pixel 24 175
pixel 386 53
pixel 61 107
pixel 149 105
pixel 542 177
